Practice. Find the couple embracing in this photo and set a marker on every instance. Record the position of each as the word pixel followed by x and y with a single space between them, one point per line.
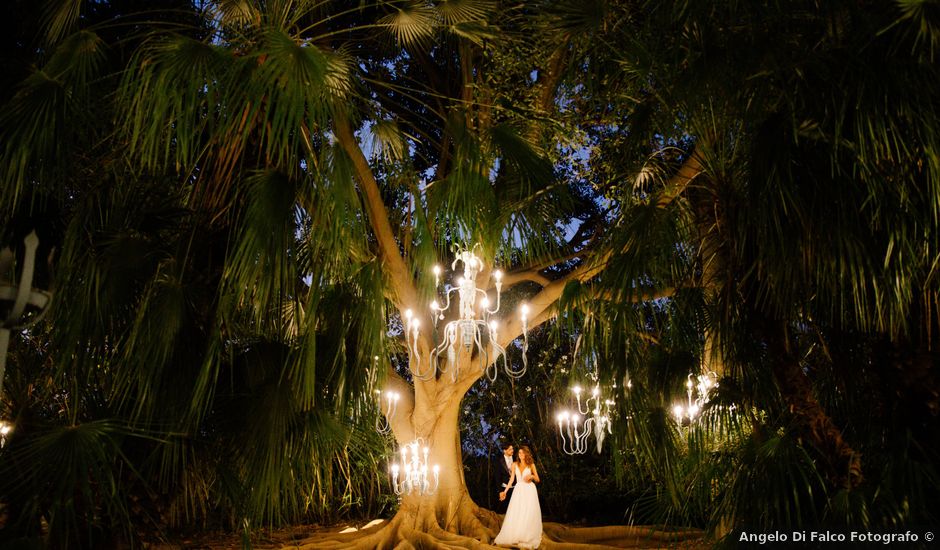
pixel 522 525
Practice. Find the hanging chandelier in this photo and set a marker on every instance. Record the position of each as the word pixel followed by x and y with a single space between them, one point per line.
pixel 474 330
pixel 5 429
pixel 383 421
pixel 21 304
pixel 414 470
pixel 702 387
pixel 576 427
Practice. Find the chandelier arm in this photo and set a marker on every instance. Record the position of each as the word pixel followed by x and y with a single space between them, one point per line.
pixel 446 306
pixel 586 408
pixel 582 444
pixel 483 357
pixel 450 336
pixel 400 422
pixel 488 311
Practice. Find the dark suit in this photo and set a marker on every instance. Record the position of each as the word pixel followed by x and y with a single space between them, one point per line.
pixel 503 473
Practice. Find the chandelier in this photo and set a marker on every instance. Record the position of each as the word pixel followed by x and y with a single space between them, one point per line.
pixel 471 330
pixel 20 304
pixel 382 421
pixel 390 398
pixel 414 470
pixel 576 427
pixel 702 386
pixel 5 429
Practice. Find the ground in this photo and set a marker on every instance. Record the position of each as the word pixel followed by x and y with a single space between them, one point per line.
pixel 555 535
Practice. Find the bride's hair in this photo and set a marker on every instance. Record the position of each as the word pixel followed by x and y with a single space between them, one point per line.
pixel 528 455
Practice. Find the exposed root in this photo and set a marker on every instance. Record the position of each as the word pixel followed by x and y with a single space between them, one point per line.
pixel 365 539
pixel 561 537
pixel 474 528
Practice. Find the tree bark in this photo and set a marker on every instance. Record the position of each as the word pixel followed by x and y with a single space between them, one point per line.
pixel 841 462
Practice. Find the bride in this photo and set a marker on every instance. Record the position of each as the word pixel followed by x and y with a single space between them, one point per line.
pixel 522 525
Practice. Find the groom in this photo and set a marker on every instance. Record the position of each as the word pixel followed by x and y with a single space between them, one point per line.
pixel 505 470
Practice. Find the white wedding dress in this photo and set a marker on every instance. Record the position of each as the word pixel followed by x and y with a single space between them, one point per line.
pixel 522 525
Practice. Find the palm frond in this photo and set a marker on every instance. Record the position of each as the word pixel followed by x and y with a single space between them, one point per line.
pixel 413 23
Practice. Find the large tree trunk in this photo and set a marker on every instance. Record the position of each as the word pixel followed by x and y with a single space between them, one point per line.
pixel 449 508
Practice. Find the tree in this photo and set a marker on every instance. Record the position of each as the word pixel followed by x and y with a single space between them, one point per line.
pixel 282 173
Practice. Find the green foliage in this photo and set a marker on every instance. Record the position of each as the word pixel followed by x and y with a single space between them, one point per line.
pixel 219 295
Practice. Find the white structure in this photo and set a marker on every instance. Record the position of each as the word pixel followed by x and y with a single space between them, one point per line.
pixel 413 471
pixel 576 427
pixel 705 384
pixel 473 330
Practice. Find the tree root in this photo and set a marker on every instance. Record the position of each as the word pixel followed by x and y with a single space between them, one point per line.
pixel 474 528
pixel 562 537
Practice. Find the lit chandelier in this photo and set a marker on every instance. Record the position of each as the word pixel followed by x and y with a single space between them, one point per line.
pixel 5 430
pixel 576 427
pixel 387 411
pixel 414 467
pixel 382 421
pixel 466 333
pixel 705 384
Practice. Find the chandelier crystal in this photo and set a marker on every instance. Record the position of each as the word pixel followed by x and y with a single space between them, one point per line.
pixel 473 330
pixel 414 471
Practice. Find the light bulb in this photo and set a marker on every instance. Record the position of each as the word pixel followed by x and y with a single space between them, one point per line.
pixel 524 310
pixel 498 275
pixel 677 410
pixel 485 302
pixel 437 469
pixel 415 323
pixel 395 469
pixel 576 390
pixel 460 281
pixel 409 314
pixel 595 391
pixel 493 325
pixel 693 410
pixel 434 305
pixel 436 269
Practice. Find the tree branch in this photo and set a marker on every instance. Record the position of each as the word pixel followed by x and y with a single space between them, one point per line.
pixel 406 296
pixel 541 303
pixel 517 277
pixel 552 76
pixel 689 170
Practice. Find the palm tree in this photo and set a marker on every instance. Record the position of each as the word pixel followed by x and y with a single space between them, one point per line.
pixel 255 190
pixel 816 137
